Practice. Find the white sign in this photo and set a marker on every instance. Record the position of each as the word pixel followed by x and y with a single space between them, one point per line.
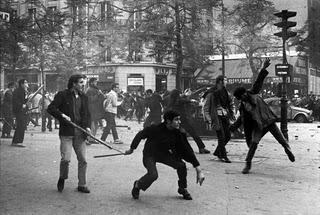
pixel 135 81
pixel 5 16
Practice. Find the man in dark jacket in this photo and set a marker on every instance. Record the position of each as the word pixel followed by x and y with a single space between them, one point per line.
pixel 168 145
pixel 19 109
pixel 154 104
pixel 218 111
pixel 183 104
pixel 257 118
pixel 72 105
pixel 7 112
pixel 95 98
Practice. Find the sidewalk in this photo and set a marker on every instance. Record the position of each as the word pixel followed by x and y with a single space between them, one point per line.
pixel 29 175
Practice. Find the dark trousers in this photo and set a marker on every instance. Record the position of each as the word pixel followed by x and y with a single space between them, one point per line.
pixel 185 123
pixel 49 118
pixel 111 125
pixel 149 163
pixel 7 126
pixel 21 124
pixel 223 136
pixel 257 135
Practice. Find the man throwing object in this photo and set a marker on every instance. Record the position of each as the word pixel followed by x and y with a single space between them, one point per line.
pixel 166 143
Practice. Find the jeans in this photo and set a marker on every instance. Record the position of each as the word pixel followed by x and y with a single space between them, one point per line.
pixel 149 163
pixel 223 136
pixel 79 146
pixel 257 135
pixel 111 125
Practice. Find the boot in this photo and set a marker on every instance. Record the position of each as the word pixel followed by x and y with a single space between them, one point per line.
pixel 289 154
pixel 247 168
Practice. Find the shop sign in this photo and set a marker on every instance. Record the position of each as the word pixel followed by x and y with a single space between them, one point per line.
pixel 135 81
pixel 101 69
pixel 239 80
pixel 162 71
pixel 92 76
pixel 4 16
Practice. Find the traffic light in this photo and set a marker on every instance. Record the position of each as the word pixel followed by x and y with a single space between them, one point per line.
pixel 285 24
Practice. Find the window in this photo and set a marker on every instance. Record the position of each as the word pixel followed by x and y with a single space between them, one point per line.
pixel 32 15
pixel 102 50
pixel 109 11
pixel 108 53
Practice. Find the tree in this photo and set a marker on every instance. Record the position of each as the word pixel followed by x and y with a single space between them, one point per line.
pixel 306 41
pixel 174 28
pixel 13 34
pixel 251 24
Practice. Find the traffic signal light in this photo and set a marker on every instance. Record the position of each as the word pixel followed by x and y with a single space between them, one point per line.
pixel 285 24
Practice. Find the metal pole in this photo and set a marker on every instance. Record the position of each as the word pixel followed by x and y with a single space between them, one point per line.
pixel 223 48
pixel 284 100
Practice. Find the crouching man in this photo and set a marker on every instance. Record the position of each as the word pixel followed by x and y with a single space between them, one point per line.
pixel 166 143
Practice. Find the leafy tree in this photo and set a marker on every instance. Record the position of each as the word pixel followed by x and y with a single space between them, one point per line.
pixel 13 34
pixel 306 41
pixel 251 23
pixel 174 28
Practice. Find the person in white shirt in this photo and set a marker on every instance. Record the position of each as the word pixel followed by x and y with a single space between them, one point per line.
pixel 110 106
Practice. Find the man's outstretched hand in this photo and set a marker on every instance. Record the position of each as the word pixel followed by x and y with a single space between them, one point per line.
pixel 266 63
pixel 200 176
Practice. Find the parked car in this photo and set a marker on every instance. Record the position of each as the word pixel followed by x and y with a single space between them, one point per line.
pixel 297 114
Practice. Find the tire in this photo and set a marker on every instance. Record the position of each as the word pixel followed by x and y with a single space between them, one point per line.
pixel 300 118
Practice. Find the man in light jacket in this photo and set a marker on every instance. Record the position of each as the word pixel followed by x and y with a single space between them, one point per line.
pixel 110 106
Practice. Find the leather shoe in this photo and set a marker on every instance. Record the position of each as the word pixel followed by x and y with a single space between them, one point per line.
pixel 135 190
pixel 184 192
pixel 83 189
pixel 60 184
pixel 247 168
pixel 290 154
pixel 204 151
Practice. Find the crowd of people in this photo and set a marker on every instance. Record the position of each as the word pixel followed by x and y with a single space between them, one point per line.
pixel 91 109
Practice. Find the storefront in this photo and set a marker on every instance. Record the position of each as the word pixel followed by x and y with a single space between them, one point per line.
pixel 239 73
pixel 133 77
pixel 104 74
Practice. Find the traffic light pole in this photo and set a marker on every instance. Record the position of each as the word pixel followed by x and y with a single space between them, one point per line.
pixel 284 100
pixel 285 34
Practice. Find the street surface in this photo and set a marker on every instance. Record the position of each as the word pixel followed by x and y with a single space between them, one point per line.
pixel 275 186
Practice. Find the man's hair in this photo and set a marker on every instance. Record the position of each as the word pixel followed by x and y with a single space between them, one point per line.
pixel 91 80
pixel 238 92
pixel 10 84
pixel 21 82
pixel 149 91
pixel 220 78
pixel 114 85
pixel 170 115
pixel 74 79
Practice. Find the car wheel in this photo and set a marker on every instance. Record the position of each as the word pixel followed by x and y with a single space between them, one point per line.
pixel 300 118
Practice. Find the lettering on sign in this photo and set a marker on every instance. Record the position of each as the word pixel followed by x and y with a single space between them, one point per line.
pixel 5 16
pixel 135 81
pixel 161 71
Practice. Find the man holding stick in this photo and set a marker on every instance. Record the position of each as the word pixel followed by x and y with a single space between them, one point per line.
pixel 166 143
pixel 71 105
